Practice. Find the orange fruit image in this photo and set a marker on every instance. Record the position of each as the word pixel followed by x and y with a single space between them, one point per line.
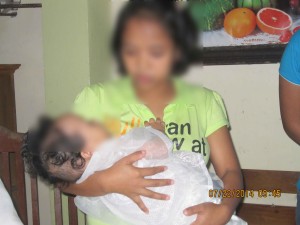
pixel 240 22
pixel 273 21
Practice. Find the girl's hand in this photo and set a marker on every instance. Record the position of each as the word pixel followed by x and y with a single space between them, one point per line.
pixel 209 214
pixel 128 180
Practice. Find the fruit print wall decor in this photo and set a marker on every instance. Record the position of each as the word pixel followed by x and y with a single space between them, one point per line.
pixel 235 27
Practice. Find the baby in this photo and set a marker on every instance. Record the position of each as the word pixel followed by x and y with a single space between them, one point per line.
pixel 70 149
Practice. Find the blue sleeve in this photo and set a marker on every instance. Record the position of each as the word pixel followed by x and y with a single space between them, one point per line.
pixel 290 62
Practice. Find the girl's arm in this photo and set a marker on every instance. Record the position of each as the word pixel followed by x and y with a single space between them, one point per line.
pixel 125 179
pixel 226 165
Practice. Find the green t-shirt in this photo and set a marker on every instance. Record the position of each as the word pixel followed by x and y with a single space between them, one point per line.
pixel 190 118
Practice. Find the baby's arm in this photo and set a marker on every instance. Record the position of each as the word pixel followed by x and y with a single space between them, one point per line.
pixel 157 124
pixel 159 146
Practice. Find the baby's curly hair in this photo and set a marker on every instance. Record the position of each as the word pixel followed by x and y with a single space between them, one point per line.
pixel 52 155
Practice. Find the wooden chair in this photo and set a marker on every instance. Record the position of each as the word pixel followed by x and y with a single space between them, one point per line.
pixel 13 177
pixel 12 174
pixel 269 180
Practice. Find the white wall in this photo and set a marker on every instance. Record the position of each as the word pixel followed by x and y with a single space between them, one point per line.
pixel 21 43
pixel 250 93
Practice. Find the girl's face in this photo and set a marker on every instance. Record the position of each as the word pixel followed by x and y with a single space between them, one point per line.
pixel 148 52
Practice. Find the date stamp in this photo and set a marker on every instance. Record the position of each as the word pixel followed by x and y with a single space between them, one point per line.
pixel 240 193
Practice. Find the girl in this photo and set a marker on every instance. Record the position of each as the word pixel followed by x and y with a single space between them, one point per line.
pixel 152 43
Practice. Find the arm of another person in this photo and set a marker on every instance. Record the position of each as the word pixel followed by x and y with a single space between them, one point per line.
pixel 290 108
pixel 289 88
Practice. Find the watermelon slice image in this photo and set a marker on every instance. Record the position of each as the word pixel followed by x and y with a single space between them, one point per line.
pixel 273 21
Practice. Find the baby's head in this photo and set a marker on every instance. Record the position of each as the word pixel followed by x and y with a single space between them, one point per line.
pixel 59 150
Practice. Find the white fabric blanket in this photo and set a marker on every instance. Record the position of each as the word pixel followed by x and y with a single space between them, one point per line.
pixel 8 214
pixel 187 169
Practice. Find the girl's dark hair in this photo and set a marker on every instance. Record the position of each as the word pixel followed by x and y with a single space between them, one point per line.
pixel 177 22
pixel 60 149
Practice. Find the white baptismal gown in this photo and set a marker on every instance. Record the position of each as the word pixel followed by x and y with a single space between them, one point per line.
pixel 187 169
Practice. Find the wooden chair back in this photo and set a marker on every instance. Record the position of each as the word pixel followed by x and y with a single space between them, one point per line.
pixel 265 181
pixel 12 170
pixel 13 177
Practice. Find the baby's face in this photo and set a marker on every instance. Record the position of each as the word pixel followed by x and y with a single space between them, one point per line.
pixel 91 133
